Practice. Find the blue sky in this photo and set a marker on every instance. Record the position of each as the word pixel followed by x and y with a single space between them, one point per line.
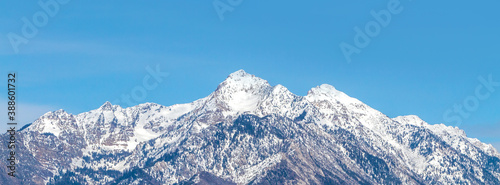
pixel 424 61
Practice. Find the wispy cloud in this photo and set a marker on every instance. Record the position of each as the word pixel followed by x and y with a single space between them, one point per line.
pixel 75 47
pixel 71 46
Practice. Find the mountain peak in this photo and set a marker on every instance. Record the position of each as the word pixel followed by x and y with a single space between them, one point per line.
pixel 243 81
pixel 327 88
pixel 324 91
pixel 243 77
pixel 106 106
pixel 60 111
pixel 241 92
pixel 239 74
pixel 410 119
pixel 56 113
pixel 280 89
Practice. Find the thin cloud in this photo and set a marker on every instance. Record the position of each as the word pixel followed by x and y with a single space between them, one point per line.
pixel 39 46
pixel 56 46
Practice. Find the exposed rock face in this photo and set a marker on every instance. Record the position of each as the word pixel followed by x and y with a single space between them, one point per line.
pixel 248 132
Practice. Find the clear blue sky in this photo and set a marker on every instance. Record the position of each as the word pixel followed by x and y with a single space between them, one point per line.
pixel 424 61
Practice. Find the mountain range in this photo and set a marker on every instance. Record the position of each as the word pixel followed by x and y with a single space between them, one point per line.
pixel 247 132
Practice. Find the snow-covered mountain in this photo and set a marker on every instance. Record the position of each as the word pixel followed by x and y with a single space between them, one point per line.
pixel 248 132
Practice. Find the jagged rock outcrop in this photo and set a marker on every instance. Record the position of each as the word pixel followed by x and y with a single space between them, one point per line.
pixel 248 132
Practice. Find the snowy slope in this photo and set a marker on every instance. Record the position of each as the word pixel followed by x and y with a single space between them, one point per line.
pixel 249 132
